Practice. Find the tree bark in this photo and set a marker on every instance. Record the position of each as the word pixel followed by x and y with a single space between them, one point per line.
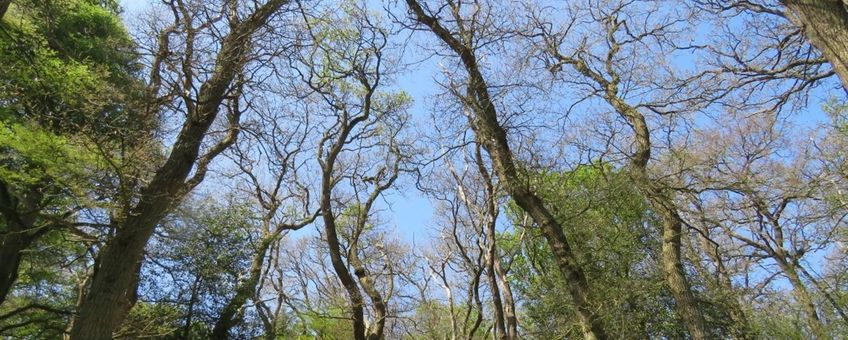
pixel 672 262
pixel 675 276
pixel 18 235
pixel 330 228
pixel 10 260
pixel 339 266
pixel 497 304
pixel 113 284
pixel 508 301
pixel 245 289
pixel 4 6
pixel 493 137
pixel 490 222
pixel 374 295
pixel 825 23
pixel 802 296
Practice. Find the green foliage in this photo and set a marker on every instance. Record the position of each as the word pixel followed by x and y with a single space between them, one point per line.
pixel 68 66
pixel 432 321
pixel 330 328
pixel 32 156
pixel 838 111
pixel 613 235
pixel 151 320
pixel 67 81
pixel 194 265
pixel 66 77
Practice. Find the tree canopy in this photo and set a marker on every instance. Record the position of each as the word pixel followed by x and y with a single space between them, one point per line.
pixel 240 169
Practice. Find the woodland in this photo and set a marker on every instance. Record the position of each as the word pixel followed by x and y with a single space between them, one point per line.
pixel 424 169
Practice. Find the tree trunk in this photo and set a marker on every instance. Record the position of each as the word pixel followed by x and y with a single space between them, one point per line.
pixel 11 246
pixel 497 304
pixel 492 136
pixel 508 301
pixel 18 235
pixel 490 222
pixel 245 289
pixel 114 282
pixel 109 298
pixel 672 224
pixel 230 316
pixel 4 6
pixel 672 263
pixel 339 266
pixel 675 276
pixel 825 23
pixel 802 296
pixel 333 244
pixel 373 294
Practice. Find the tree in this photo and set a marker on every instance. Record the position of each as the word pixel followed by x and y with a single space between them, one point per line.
pixel 183 287
pixel 491 134
pixel 472 211
pixel 69 75
pixel 769 206
pixel 362 148
pixel 616 242
pixel 113 285
pixel 283 199
pixel 823 23
pixel 602 169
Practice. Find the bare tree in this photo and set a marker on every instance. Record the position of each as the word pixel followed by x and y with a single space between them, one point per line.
pixel 458 263
pixel 361 149
pixel 463 42
pixel 770 206
pixel 485 211
pixel 789 27
pixel 269 159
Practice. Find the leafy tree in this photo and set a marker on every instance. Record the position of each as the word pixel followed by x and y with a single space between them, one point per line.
pixel 193 266
pixel 68 75
pixel 615 239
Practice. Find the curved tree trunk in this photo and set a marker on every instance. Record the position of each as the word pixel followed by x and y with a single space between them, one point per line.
pixel 114 281
pixel 374 295
pixel 825 23
pixel 672 261
pixel 492 136
pixel 339 266
pixel 229 317
pixel 802 296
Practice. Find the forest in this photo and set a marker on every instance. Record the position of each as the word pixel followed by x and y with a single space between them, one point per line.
pixel 423 169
